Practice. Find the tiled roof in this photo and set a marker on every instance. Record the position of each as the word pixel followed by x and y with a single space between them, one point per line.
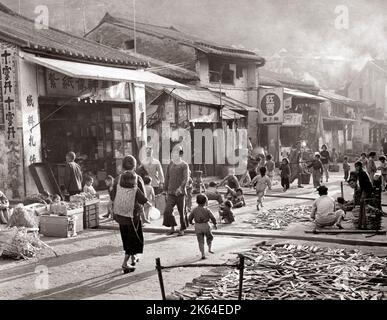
pixel 229 114
pixel 266 81
pixel 193 95
pixel 373 120
pixel 183 38
pixel 233 104
pixel 341 99
pixel 164 69
pixel 266 77
pixel 382 64
pixel 17 29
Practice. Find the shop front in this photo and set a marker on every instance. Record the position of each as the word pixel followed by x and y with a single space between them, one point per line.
pixel 96 119
pixel 99 133
pixel 51 107
pixel 189 117
pixel 302 121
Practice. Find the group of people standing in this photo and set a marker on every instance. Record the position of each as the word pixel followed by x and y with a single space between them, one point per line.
pixel 131 198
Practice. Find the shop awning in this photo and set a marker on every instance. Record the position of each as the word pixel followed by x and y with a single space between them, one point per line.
pixel 338 119
pixel 193 95
pixel 204 119
pixel 97 72
pixel 300 94
pixel 228 114
pixel 376 121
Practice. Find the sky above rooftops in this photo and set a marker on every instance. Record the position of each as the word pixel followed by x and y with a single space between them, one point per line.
pixel 303 28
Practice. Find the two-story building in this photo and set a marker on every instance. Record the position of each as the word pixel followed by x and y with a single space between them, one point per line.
pixel 341 117
pixel 61 93
pixel 370 87
pixel 219 68
pixel 302 117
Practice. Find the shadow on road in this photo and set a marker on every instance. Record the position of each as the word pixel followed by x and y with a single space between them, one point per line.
pixel 96 286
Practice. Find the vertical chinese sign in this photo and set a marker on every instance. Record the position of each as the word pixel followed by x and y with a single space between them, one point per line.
pixel 30 119
pixel 10 167
pixel 8 90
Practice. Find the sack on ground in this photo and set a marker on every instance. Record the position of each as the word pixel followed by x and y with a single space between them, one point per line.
pixel 22 217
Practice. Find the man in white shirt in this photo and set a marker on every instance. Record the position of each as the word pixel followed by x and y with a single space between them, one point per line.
pixel 323 211
pixel 154 170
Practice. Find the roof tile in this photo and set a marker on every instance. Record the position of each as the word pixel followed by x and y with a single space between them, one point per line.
pixel 187 39
pixel 14 26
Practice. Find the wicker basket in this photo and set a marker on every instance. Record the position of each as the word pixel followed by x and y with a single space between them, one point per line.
pixel 374 219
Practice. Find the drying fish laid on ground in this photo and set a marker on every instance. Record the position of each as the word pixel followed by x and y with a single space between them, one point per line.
pixel 279 218
pixel 293 272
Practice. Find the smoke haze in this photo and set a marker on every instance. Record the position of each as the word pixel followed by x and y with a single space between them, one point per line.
pixel 304 28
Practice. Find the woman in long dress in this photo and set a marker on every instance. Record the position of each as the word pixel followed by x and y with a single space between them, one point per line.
pixel 128 198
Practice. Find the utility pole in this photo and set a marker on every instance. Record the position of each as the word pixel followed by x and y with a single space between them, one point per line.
pixel 134 26
pixel 84 17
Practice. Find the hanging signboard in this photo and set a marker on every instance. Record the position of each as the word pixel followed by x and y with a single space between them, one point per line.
pixel 59 84
pixel 271 105
pixel 287 103
pixel 8 90
pixel 203 114
pixel 170 110
pixel 292 119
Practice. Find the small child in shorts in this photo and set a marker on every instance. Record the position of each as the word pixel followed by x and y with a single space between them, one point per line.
pixel 226 213
pixel 150 195
pixel 202 216
pixel 109 181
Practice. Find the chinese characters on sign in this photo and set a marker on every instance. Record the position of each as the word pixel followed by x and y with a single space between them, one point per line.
pixel 8 88
pixel 271 105
pixel 292 119
pixel 204 114
pixel 30 119
pixel 61 85
pixel 29 103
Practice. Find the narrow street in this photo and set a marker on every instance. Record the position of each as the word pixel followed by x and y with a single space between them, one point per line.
pixel 88 266
pixel 110 110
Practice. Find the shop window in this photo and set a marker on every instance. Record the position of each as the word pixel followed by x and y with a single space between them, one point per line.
pixel 122 132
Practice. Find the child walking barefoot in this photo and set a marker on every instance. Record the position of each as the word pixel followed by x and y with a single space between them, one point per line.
pixel 150 195
pixel 202 215
pixel 285 174
pixel 262 183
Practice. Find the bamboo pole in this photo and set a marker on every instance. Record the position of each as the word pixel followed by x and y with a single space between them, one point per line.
pixel 241 270
pixel 160 275
pixel 200 265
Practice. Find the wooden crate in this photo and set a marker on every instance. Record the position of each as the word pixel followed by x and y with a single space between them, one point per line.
pixel 79 214
pixel 38 208
pixel 60 226
pixel 91 214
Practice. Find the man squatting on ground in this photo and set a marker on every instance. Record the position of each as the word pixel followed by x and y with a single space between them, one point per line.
pixel 323 211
